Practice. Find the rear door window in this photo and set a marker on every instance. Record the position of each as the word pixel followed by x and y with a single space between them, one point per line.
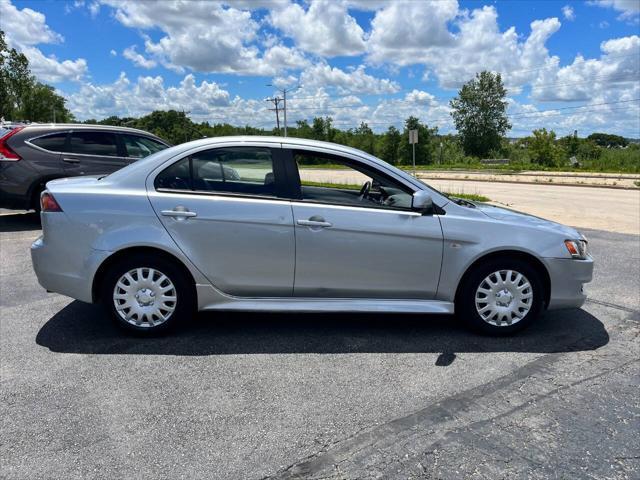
pixel 53 143
pixel 94 143
pixel 235 170
pixel 140 147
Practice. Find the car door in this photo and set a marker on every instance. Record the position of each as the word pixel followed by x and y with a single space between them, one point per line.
pixel 350 245
pixel 224 208
pixel 93 152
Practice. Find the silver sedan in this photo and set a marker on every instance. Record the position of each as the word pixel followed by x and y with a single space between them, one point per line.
pixel 284 224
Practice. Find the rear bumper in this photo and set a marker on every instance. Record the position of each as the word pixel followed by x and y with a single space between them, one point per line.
pixel 568 277
pixel 58 273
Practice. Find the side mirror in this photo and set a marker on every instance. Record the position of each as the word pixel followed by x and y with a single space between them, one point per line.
pixel 422 201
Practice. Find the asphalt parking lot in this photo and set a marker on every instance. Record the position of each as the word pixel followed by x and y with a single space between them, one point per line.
pixel 318 396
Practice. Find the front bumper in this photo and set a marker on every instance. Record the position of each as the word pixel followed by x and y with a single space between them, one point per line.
pixel 568 277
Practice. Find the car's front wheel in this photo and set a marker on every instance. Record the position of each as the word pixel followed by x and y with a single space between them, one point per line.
pixel 501 297
pixel 147 294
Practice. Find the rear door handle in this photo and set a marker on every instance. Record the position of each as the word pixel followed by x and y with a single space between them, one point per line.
pixel 70 160
pixel 315 221
pixel 178 213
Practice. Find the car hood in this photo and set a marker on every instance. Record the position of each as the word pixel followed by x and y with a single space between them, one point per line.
pixel 512 216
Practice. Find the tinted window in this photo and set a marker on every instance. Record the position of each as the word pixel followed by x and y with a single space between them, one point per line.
pixel 94 143
pixel 54 143
pixel 242 170
pixel 140 147
pixel 350 184
pixel 175 177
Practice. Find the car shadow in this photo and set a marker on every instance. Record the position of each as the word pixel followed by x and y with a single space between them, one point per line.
pixel 20 222
pixel 84 328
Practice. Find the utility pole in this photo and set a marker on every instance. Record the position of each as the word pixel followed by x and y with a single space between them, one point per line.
pixel 284 96
pixel 284 103
pixel 53 109
pixel 276 102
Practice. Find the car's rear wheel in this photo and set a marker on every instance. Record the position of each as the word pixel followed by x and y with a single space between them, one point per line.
pixel 501 297
pixel 147 294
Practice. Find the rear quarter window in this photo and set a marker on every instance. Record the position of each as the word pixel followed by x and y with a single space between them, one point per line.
pixel 54 142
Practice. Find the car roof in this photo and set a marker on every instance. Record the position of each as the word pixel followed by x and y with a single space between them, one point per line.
pixel 84 126
pixel 302 142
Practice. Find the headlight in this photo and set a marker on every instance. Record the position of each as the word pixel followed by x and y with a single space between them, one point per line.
pixel 577 248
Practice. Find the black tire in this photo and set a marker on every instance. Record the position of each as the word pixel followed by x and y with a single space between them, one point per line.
pixel 185 303
pixel 466 300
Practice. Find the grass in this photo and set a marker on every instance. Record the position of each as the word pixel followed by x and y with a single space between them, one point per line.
pixel 474 197
pixel 347 186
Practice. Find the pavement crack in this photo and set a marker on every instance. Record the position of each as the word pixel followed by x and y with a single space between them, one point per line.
pixel 613 305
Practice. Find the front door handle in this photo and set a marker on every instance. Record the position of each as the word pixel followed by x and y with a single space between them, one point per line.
pixel 179 212
pixel 315 221
pixel 70 160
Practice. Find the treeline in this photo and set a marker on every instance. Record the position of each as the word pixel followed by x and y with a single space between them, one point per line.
pixel 541 150
pixel 22 97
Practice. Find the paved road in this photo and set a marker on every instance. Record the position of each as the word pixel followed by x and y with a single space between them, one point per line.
pixel 318 396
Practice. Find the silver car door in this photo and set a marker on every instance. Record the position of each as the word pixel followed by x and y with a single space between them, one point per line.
pixel 221 206
pixel 351 251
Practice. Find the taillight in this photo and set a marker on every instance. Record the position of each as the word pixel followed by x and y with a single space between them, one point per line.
pixel 48 203
pixel 6 154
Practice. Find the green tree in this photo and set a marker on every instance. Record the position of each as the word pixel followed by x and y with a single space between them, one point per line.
pixel 15 79
pixel 608 140
pixel 42 104
pixel 479 113
pixel 570 143
pixel 543 149
pixel 390 149
pixel 21 96
pixel 364 139
pixel 425 148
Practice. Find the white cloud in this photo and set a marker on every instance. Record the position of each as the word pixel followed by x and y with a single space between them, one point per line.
pixel 404 32
pixel 568 13
pixel 138 60
pixel 472 44
pixel 326 28
pixel 113 53
pixel 613 76
pixel 630 9
pixel 205 37
pixel 355 81
pixel 148 93
pixel 50 69
pixel 27 28
pixel 94 9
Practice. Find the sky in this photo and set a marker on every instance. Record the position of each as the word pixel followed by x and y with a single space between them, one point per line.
pixel 567 65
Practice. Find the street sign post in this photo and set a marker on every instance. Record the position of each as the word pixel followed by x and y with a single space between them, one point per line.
pixel 413 139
